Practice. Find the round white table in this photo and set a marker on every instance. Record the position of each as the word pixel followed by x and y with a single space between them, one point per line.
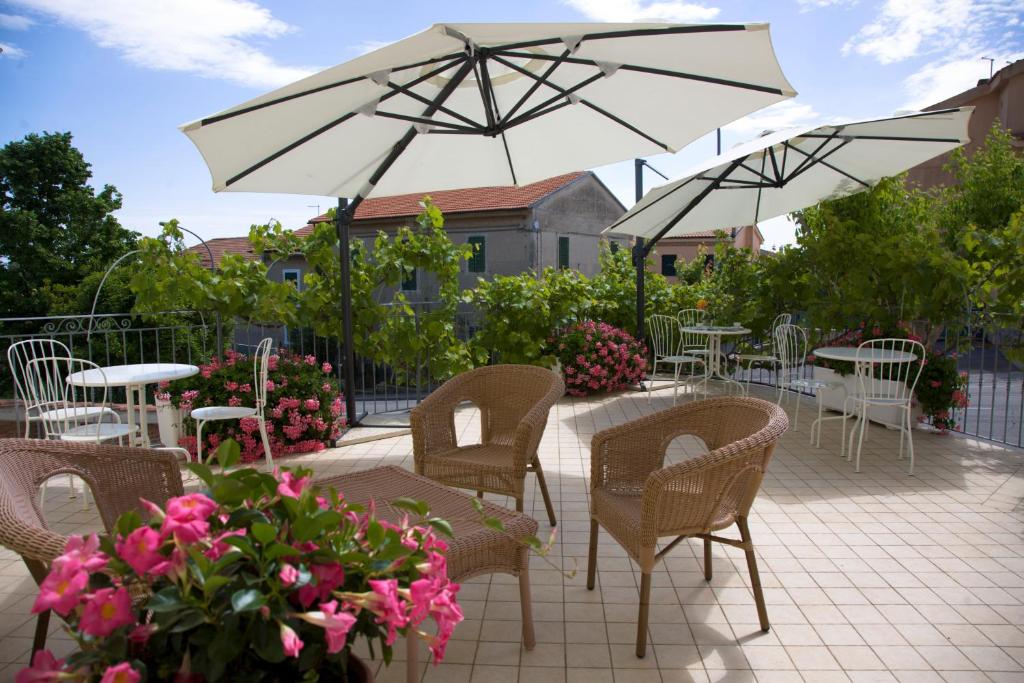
pixel 134 378
pixel 849 354
pixel 713 364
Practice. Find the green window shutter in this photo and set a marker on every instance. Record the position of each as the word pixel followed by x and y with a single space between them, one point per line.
pixel 478 261
pixel 563 252
pixel 668 265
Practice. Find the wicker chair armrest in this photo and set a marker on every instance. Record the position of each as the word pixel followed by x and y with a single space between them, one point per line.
pixel 531 428
pixel 433 420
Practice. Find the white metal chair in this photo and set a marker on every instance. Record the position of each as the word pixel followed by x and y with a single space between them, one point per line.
pixel 260 371
pixel 694 344
pixel 767 355
pixel 885 382
pixel 790 345
pixel 67 411
pixel 666 344
pixel 19 354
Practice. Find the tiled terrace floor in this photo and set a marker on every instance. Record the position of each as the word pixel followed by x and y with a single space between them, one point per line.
pixel 876 576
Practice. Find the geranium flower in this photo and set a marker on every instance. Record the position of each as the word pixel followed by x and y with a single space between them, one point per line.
pixel 121 673
pixel 105 611
pixel 45 667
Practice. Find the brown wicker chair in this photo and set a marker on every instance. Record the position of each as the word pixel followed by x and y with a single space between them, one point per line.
pixel 117 476
pixel 514 401
pixel 638 500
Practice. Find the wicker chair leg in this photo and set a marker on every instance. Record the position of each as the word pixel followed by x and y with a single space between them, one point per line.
pixel 479 494
pixel 755 577
pixel 707 559
pixel 519 504
pixel 592 555
pixel 526 605
pixel 645 606
pixel 42 627
pixel 544 492
pixel 412 659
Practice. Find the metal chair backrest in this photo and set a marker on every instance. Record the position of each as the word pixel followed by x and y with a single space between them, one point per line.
pixel 18 356
pixel 261 372
pixel 60 404
pixel 781 319
pixel 888 381
pixel 690 317
pixel 664 334
pixel 790 346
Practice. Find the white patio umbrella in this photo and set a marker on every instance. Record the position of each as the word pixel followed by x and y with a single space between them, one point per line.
pixel 466 105
pixel 789 170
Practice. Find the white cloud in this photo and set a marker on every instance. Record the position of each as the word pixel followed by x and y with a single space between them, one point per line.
pixel 908 28
pixel 941 80
pixel 785 114
pixel 206 37
pixel 367 46
pixel 638 10
pixel 14 22
pixel 808 5
pixel 12 51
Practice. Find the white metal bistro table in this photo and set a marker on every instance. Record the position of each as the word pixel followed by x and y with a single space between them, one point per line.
pixel 134 378
pixel 849 354
pixel 713 365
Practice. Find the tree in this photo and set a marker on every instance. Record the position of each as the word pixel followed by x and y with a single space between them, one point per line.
pixel 54 228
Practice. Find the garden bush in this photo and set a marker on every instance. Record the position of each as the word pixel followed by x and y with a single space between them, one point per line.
pixel 597 357
pixel 304 407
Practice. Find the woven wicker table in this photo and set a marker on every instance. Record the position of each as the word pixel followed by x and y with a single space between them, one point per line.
pixel 474 550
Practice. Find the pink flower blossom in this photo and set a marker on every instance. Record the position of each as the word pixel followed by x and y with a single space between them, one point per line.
pixel 121 673
pixel 219 548
pixel 336 624
pixel 234 401
pixel 270 385
pixel 312 404
pixel 187 515
pixel 140 549
pixel 326 367
pixel 326 577
pixel 107 610
pixel 310 360
pixel 45 667
pixel 389 609
pixel 290 485
pixel 290 640
pixel 141 634
pixel 288 575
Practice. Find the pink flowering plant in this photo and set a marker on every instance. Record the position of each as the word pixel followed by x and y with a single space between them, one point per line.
pixel 304 406
pixel 597 357
pixel 941 389
pixel 259 578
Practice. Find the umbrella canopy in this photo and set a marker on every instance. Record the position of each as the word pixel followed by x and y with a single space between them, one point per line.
pixel 470 105
pixel 790 170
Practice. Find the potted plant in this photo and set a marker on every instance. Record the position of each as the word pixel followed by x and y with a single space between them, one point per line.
pixel 304 409
pixel 260 578
pixel 941 391
pixel 595 357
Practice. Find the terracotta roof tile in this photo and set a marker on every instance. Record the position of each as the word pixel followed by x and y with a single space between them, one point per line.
pixel 224 245
pixel 465 200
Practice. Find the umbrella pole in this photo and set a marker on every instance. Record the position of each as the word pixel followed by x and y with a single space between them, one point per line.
pixel 343 223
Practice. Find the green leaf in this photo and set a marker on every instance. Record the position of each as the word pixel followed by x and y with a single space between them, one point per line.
pixel 128 522
pixel 202 471
pixel 418 507
pixel 165 600
pixel 494 523
pixel 228 453
pixel 441 526
pixel 263 532
pixel 188 620
pixel 374 533
pixel 247 600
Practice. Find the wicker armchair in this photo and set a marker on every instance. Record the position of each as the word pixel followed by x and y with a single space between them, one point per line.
pixel 117 476
pixel 514 401
pixel 638 500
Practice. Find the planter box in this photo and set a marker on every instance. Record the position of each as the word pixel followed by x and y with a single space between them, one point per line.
pixel 832 399
pixel 168 419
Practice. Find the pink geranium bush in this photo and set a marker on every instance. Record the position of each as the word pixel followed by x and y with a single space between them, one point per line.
pixel 259 578
pixel 597 357
pixel 304 408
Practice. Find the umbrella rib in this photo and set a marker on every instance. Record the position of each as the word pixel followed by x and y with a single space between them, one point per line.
pixel 824 163
pixel 775 165
pixel 887 138
pixel 650 70
pixel 483 83
pixel 331 124
pixel 809 157
pixel 539 110
pixel 760 173
pixel 627 217
pixel 312 91
pixel 424 100
pixel 427 121
pixel 586 102
pixel 757 204
pixel 693 204
pixel 633 33
pixel 536 84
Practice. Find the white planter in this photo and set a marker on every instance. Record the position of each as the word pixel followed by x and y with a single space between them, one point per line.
pixel 832 399
pixel 168 419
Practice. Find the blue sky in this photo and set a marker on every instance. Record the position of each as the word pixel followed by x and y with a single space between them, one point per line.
pixel 122 74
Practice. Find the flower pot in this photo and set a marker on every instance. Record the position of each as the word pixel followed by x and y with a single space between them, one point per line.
pixel 169 421
pixel 358 670
pixel 833 399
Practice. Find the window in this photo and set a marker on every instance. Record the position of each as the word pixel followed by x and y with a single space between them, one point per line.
pixel 563 252
pixel 293 276
pixel 409 283
pixel 668 265
pixel 615 247
pixel 478 261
